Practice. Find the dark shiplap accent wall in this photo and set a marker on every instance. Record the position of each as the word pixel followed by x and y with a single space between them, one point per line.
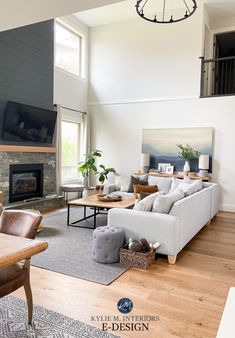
pixel 26 65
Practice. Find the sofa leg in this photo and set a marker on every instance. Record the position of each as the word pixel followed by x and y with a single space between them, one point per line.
pixel 172 259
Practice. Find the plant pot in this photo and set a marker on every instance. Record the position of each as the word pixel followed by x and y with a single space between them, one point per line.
pixel 88 191
pixel 186 167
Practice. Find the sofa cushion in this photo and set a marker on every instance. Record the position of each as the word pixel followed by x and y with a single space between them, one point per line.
pixel 122 182
pixel 163 183
pixel 122 193
pixel 146 204
pixel 138 188
pixel 164 203
pixel 142 180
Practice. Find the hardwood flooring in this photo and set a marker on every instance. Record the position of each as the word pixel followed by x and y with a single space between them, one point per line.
pixel 188 297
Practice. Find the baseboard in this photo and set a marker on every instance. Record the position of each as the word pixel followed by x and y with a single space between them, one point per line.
pixel 227 207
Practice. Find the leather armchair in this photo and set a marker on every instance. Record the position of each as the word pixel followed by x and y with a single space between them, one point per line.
pixel 23 224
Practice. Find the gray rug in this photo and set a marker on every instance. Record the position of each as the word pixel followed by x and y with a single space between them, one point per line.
pixel 70 248
pixel 46 324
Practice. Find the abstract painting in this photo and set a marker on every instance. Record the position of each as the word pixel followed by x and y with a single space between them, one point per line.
pixel 161 144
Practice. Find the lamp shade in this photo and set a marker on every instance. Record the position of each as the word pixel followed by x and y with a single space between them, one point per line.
pixel 145 160
pixel 203 162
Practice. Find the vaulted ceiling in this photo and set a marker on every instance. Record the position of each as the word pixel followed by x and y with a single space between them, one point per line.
pixel 16 13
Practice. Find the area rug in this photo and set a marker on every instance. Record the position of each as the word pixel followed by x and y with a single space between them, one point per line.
pixel 46 323
pixel 69 250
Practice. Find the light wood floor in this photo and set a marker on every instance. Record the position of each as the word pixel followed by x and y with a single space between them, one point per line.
pixel 188 297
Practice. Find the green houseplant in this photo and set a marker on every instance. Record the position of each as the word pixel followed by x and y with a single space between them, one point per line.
pixel 187 153
pixel 88 167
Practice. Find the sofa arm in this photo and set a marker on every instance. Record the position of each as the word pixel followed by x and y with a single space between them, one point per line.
pixel 194 212
pixel 215 196
pixel 215 199
pixel 155 227
pixel 109 188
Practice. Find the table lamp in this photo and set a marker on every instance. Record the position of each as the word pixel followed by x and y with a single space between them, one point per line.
pixel 145 162
pixel 203 165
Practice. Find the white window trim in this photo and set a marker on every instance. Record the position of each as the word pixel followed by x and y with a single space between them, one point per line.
pixel 81 75
pixel 69 116
pixel 67 73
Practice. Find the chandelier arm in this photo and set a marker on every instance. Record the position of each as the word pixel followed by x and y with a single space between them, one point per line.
pixel 144 5
pixel 163 11
pixel 186 6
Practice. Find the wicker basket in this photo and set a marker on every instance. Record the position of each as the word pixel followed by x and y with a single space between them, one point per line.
pixel 140 260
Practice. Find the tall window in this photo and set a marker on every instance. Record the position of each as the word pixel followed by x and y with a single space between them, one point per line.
pixel 70 150
pixel 67 49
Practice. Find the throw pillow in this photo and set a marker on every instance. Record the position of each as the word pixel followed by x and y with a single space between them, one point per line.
pixel 138 188
pixel 191 188
pixel 163 203
pixel 137 180
pixel 175 183
pixel 147 203
pixel 143 195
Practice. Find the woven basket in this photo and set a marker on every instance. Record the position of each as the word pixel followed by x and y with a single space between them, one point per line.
pixel 140 260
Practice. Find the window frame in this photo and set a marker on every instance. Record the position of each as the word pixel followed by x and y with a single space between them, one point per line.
pixel 80 135
pixel 81 72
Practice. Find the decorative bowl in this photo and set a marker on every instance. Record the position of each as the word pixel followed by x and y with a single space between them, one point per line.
pixel 109 198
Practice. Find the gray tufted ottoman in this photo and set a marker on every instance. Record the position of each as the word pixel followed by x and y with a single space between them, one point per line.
pixel 106 244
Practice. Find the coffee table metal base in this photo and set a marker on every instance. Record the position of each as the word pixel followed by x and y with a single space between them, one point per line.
pixel 97 211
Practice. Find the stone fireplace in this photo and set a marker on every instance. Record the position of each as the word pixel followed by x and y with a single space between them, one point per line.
pixel 26 169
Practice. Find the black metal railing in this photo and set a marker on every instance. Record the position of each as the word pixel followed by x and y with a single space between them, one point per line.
pixel 217 77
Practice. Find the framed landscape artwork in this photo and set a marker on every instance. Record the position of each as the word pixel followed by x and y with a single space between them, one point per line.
pixel 161 144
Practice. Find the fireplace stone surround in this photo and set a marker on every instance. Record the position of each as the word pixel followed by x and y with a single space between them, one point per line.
pixel 49 170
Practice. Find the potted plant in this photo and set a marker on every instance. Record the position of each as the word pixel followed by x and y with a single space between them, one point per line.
pixel 187 153
pixel 88 167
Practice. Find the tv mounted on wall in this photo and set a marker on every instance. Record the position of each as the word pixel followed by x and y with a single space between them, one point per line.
pixel 28 125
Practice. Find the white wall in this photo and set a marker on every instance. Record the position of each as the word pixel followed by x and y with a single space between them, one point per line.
pixel 69 90
pixel 116 129
pixel 148 76
pixel 137 60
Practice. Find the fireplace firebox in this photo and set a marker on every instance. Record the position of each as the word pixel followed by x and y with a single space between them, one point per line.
pixel 25 181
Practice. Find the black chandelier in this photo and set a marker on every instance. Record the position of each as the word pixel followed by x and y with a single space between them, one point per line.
pixel 160 16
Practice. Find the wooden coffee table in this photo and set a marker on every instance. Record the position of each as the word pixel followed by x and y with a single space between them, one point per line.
pixel 98 206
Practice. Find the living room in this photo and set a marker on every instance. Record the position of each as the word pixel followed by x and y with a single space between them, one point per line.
pixel 135 75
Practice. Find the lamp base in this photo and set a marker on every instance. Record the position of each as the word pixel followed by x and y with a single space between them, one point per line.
pixel 145 169
pixel 203 172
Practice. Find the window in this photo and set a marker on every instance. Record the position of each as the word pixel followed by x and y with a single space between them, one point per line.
pixel 67 49
pixel 70 150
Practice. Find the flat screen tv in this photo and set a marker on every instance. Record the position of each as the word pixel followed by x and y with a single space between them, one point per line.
pixel 28 125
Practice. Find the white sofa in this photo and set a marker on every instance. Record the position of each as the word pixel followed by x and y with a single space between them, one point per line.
pixel 173 230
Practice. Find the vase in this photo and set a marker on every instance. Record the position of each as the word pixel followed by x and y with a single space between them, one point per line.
pixel 186 167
